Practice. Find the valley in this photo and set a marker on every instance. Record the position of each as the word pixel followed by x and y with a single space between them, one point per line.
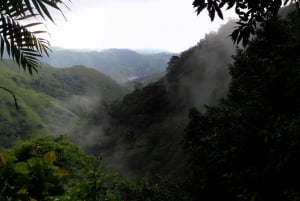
pixel 122 65
pixel 216 121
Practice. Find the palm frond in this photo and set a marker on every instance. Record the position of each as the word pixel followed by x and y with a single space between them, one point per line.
pixel 21 44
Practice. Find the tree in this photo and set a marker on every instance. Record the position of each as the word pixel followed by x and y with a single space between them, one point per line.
pixel 250 13
pixel 246 147
pixel 18 21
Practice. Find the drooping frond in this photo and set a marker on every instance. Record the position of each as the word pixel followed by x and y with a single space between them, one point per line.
pixel 21 44
pixel 250 13
pixel 17 38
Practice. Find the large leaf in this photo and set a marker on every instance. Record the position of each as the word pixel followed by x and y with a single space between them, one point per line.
pixel 21 168
pixel 33 161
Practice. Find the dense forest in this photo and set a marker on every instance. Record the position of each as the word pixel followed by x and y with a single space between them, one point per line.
pixel 150 120
pixel 214 127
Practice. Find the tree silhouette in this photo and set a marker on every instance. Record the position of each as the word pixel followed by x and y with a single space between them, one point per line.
pixel 250 13
pixel 246 147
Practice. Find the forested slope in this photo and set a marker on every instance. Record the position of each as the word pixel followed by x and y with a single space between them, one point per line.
pixel 247 147
pixel 243 145
pixel 146 126
pixel 51 102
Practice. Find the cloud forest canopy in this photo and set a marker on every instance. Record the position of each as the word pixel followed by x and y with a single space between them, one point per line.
pixel 250 12
pixel 247 147
pixel 17 20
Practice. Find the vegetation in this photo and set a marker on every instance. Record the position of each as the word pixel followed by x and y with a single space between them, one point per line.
pixel 241 142
pixel 251 13
pixel 40 168
pixel 48 169
pixel 18 21
pixel 51 102
pixel 247 147
pixel 150 120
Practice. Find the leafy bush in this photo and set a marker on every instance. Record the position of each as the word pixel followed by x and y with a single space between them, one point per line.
pixel 34 178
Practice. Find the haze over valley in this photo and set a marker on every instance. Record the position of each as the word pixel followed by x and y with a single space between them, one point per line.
pixel 144 112
pixel 87 96
pixel 122 65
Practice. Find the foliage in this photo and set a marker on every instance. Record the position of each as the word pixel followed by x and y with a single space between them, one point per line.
pixel 139 124
pixel 160 189
pixel 68 155
pixel 250 13
pixel 31 178
pixel 96 186
pixel 51 102
pixel 100 186
pixel 146 126
pixel 247 147
pixel 47 169
pixel 76 81
pixel 18 21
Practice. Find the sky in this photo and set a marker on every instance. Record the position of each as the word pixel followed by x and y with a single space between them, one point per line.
pixel 170 25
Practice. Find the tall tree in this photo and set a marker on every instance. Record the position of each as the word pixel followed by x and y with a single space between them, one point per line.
pixel 19 20
pixel 250 13
pixel 247 147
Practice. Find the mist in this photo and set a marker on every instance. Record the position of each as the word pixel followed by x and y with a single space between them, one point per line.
pixel 92 119
pixel 201 75
pixel 151 120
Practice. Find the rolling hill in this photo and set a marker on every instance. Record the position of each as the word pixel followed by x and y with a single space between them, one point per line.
pixel 51 102
pixel 122 65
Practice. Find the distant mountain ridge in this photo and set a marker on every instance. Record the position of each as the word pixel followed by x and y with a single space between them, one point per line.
pixel 122 65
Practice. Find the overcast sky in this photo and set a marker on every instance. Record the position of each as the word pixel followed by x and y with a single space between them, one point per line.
pixel 135 24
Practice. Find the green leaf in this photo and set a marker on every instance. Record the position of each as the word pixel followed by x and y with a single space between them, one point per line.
pixel 21 168
pixel 33 161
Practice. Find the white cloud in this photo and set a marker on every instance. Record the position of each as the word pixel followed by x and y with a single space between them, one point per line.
pixel 160 24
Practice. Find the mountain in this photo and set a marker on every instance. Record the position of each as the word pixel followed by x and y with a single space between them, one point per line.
pixel 146 127
pixel 51 102
pixel 121 65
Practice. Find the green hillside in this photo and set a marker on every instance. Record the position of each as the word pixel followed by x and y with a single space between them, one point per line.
pixel 76 80
pixel 122 65
pixel 51 102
